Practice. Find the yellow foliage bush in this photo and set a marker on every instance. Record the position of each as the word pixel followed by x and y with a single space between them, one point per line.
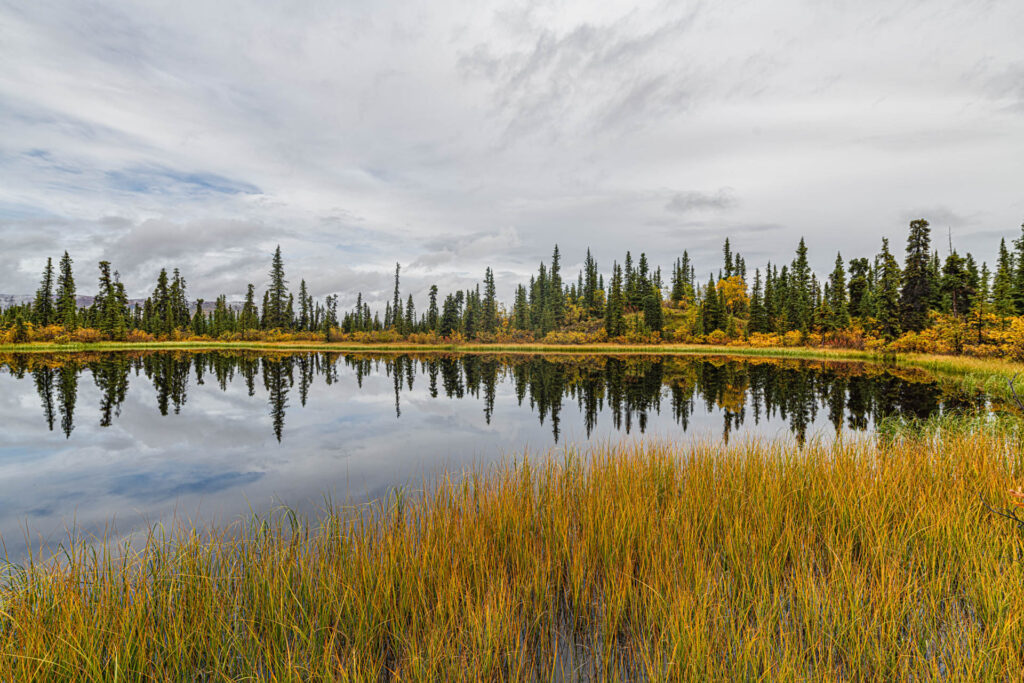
pixel 718 337
pixel 792 338
pixel 138 336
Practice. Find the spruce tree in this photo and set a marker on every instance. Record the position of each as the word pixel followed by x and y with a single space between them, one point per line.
pixel 250 318
pixel 396 304
pixel 108 309
pixel 713 312
pixel 199 320
pixel 67 297
pixel 653 316
pixel 490 304
pixel 1002 284
pixel 614 317
pixel 917 278
pixel 161 322
pixel 304 308
pixel 276 309
pixel 521 309
pixel 1018 275
pixel 799 301
pixel 432 312
pixel 591 303
pixel 758 315
pixel 980 306
pixel 555 297
pixel 410 316
pixel 858 287
pixel 837 304
pixel 956 285
pixel 888 299
pixel 43 311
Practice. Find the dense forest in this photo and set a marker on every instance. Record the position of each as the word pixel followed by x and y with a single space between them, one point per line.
pixel 926 303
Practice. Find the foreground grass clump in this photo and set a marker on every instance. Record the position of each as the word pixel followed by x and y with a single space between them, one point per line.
pixel 860 560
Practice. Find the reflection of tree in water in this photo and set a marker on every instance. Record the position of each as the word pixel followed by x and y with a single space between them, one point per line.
pixel 44 378
pixel 169 374
pixel 629 389
pixel 277 379
pixel 111 378
pixel 67 394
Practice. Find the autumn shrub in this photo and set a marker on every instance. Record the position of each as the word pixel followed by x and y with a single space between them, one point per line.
pixel 575 338
pixel 792 338
pixel 139 336
pixel 717 337
pixel 765 339
pixel 844 339
pixel 510 336
pixel 87 335
pixel 424 338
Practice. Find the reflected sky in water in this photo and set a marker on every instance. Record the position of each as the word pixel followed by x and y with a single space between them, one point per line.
pixel 135 439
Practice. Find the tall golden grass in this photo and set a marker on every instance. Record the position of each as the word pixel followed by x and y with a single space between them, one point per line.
pixel 863 559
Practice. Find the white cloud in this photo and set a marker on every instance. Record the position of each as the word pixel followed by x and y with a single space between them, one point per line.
pixel 450 137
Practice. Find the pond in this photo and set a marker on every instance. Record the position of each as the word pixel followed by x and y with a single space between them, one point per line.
pixel 115 442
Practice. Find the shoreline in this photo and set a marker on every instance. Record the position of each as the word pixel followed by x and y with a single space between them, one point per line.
pixel 987 374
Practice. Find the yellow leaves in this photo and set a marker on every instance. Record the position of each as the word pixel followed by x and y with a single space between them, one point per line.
pixel 733 292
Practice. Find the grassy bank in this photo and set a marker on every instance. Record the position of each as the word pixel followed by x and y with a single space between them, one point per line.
pixel 860 560
pixel 660 349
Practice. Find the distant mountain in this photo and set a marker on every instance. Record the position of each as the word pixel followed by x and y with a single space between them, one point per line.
pixel 7 300
pixel 14 299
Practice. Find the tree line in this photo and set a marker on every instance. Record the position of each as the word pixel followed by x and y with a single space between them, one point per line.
pixel 878 294
pixel 628 390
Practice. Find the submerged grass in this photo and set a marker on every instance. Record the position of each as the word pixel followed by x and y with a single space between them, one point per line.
pixel 859 559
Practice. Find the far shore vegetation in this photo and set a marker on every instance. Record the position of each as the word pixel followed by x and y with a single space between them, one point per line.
pixel 928 304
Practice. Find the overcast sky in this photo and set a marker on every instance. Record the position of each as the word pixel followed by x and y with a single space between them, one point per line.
pixel 449 136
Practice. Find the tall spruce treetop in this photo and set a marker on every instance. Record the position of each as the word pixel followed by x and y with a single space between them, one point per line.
pixel 1002 285
pixel 250 318
pixel 800 294
pixel 43 311
pixel 276 310
pixel 396 302
pixel 956 285
pixel 917 278
pixel 304 307
pixel 888 300
pixel 837 303
pixel 556 300
pixel 1018 275
pixel 490 312
pixel 67 296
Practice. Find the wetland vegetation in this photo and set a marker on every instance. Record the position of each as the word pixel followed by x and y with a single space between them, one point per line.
pixel 860 558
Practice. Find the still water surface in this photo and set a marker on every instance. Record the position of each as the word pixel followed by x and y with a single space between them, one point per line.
pixel 141 438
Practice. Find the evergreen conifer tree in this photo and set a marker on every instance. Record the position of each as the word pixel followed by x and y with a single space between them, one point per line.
pixel 917 278
pixel 888 300
pixel 43 311
pixel 67 297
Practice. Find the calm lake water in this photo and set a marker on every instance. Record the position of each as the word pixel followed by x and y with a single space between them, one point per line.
pixel 132 439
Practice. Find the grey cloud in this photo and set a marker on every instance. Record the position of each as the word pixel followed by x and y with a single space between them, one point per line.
pixel 594 75
pixel 199 134
pixel 689 201
pixel 468 249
